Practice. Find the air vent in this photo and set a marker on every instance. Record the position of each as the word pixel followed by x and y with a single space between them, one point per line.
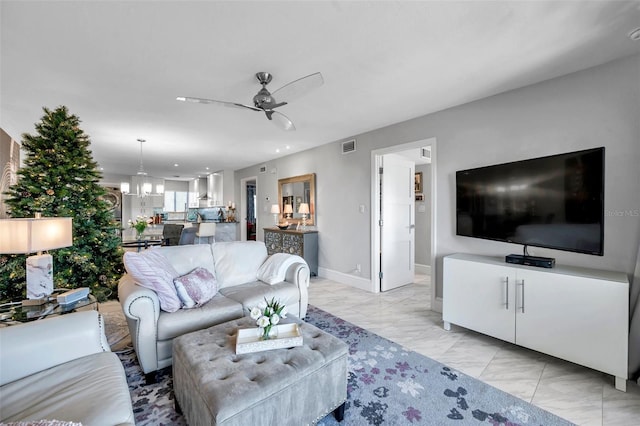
pixel 263 169
pixel 426 153
pixel 348 146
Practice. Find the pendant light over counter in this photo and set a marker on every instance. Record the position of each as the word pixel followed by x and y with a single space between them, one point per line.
pixel 142 185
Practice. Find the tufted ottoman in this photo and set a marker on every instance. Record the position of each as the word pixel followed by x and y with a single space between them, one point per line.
pixel 297 386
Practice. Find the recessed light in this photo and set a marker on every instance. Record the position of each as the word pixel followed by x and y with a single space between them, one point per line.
pixel 278 151
pixel 175 165
pixel 207 168
pixel 635 34
pixel 288 147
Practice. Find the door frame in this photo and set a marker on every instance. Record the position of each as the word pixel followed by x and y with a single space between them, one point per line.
pixel 376 159
pixel 243 206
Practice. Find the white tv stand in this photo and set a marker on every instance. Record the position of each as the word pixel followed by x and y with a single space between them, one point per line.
pixel 577 314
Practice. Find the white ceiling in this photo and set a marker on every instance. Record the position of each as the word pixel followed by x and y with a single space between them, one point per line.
pixel 120 65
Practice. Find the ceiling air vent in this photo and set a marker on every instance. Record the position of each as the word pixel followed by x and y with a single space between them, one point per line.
pixel 348 146
pixel 263 169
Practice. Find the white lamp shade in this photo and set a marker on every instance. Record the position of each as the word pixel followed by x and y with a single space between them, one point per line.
pixel 124 187
pixel 288 208
pixel 304 208
pixel 30 235
pixel 160 188
pixel 147 187
pixel 275 209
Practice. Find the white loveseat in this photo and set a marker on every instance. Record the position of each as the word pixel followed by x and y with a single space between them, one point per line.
pixel 62 369
pixel 238 268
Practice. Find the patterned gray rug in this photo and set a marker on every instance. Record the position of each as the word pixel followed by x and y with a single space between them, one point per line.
pixel 387 385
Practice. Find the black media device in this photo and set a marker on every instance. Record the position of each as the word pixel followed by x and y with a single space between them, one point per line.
pixel 541 262
pixel 554 202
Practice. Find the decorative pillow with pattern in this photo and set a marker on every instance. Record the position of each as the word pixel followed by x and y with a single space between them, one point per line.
pixel 151 269
pixel 196 288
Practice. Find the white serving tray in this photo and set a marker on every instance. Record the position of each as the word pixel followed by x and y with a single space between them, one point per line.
pixel 249 341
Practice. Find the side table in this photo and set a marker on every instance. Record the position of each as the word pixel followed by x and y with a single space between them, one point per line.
pixel 12 313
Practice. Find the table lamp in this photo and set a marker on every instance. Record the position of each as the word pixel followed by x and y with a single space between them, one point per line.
pixel 304 209
pixel 35 235
pixel 288 211
pixel 275 211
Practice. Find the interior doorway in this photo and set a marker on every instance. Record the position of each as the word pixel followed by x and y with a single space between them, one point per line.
pixel 420 152
pixel 248 199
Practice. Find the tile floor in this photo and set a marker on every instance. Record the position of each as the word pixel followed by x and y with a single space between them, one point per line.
pixel 578 394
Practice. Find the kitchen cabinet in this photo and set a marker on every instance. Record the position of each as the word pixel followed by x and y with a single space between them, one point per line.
pixel 301 243
pixel 577 314
pixel 144 206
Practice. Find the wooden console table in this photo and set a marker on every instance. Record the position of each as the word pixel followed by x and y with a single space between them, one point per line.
pixel 302 243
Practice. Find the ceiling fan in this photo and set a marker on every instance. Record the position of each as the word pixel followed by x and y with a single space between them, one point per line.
pixel 266 102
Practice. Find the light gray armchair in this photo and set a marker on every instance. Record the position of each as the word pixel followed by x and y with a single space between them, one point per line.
pixel 62 368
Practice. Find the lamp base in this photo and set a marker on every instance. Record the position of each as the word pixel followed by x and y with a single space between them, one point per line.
pixel 35 302
pixel 39 276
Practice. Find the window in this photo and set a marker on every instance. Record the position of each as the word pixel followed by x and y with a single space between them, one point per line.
pixel 175 201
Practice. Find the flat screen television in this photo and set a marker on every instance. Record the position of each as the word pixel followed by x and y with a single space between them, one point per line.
pixel 554 202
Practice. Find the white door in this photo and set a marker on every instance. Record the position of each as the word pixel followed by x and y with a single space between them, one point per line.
pixel 397 248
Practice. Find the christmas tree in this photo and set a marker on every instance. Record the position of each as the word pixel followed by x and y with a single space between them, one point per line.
pixel 59 178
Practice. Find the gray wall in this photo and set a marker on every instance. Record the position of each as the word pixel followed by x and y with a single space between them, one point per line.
pixel 595 107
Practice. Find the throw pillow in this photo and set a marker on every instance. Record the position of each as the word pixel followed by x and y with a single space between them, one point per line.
pixel 152 270
pixel 274 269
pixel 196 288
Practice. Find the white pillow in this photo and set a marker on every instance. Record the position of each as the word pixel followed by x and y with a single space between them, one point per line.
pixel 152 270
pixel 274 269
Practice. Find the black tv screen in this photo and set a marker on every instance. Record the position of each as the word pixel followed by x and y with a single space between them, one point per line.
pixel 554 202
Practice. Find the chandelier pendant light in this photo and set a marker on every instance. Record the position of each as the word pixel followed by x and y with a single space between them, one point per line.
pixel 142 184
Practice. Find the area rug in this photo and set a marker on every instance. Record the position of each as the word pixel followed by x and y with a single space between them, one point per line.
pixel 387 385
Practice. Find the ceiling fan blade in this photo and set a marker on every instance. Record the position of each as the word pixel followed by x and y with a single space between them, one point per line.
pixel 213 101
pixel 280 120
pixel 298 87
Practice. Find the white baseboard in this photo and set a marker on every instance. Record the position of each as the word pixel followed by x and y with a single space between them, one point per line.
pixel 347 279
pixel 422 269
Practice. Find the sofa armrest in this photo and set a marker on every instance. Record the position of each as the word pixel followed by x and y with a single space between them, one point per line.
pixel 298 273
pixel 141 308
pixel 36 346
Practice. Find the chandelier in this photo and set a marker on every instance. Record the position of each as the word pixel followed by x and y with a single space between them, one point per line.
pixel 142 185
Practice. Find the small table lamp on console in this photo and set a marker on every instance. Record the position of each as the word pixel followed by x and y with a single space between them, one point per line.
pixel 275 211
pixel 31 235
pixel 288 211
pixel 304 209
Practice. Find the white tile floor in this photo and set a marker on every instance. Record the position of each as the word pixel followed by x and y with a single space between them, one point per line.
pixel 578 394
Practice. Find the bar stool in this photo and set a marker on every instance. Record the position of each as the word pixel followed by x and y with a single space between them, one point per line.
pixel 206 230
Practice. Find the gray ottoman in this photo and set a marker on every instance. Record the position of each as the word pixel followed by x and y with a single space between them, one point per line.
pixel 296 386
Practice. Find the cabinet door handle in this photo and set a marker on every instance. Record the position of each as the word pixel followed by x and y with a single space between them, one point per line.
pixel 522 284
pixel 506 286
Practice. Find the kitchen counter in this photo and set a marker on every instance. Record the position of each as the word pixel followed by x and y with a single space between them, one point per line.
pixel 225 231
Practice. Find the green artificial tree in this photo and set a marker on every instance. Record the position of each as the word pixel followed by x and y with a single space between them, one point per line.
pixel 60 178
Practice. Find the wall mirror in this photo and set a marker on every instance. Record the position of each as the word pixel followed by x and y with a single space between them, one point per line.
pixel 296 192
